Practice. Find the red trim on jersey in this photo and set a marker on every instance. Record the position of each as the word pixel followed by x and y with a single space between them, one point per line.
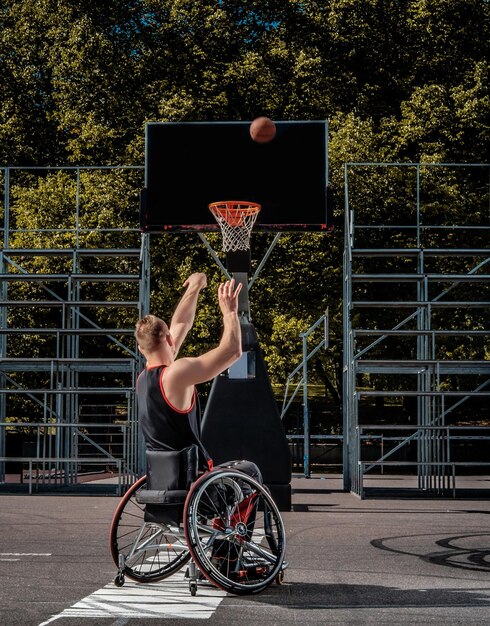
pixel 170 404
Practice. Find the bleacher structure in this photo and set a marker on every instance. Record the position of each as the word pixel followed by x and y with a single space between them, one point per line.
pixel 416 324
pixel 72 286
pixel 74 278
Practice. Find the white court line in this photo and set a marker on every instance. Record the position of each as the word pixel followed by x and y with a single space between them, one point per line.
pixel 14 556
pixel 165 599
pixel 25 553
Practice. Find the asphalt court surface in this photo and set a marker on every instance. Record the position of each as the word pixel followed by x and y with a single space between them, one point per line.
pixel 381 560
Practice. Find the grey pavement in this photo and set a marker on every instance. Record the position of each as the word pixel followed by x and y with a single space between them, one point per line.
pixel 381 560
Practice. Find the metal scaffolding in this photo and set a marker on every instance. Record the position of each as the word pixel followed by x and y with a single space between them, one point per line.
pixel 416 298
pixel 72 285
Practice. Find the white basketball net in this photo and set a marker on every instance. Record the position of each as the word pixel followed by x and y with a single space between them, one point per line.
pixel 236 220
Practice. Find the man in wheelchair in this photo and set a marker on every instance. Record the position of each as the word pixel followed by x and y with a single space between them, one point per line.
pixel 168 405
pixel 233 529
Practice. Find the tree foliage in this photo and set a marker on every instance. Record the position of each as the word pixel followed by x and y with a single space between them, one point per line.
pixel 398 81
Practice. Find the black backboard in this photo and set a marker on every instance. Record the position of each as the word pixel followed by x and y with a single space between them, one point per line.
pixel 191 164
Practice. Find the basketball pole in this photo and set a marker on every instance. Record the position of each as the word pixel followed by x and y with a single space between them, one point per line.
pixel 238 263
pixel 241 419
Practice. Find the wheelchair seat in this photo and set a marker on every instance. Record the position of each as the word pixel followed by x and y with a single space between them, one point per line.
pixel 224 523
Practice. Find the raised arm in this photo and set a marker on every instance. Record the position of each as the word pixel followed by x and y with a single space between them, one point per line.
pixel 181 376
pixel 183 317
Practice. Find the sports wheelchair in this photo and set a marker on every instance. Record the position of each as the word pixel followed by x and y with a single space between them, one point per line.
pixel 224 525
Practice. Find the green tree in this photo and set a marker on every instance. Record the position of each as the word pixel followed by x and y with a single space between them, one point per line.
pixel 398 81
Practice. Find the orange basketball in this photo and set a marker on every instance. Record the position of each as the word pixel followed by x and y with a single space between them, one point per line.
pixel 262 130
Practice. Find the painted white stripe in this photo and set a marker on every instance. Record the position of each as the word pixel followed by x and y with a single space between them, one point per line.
pixel 165 599
pixel 25 553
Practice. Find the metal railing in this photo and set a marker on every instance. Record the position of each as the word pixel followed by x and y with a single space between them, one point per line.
pixel 302 370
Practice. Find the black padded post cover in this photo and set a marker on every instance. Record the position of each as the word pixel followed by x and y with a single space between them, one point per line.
pixel 242 421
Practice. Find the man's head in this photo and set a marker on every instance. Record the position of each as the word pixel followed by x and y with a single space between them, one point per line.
pixel 151 333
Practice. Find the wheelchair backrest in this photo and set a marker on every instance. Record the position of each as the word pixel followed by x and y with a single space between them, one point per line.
pixel 172 470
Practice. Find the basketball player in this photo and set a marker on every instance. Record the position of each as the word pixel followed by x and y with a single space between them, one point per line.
pixel 168 404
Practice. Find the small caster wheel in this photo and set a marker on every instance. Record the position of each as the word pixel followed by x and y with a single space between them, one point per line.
pixel 280 578
pixel 193 587
pixel 119 580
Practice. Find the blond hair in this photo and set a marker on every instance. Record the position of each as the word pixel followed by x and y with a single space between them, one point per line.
pixel 150 332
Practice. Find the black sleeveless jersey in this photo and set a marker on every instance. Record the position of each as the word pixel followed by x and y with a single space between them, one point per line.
pixel 163 426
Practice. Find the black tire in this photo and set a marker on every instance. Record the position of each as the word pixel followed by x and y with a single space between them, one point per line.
pixel 234 532
pixel 160 551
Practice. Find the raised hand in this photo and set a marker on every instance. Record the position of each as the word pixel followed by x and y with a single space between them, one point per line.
pixel 228 296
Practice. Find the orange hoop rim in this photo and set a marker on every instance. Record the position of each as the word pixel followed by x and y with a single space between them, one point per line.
pixel 236 219
pixel 233 211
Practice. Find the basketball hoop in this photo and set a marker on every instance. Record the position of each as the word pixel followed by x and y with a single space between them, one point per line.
pixel 236 220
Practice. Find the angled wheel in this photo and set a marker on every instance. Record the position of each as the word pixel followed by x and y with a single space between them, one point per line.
pixel 234 532
pixel 144 551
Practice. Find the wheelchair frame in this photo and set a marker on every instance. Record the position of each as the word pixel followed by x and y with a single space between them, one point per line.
pixel 226 528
